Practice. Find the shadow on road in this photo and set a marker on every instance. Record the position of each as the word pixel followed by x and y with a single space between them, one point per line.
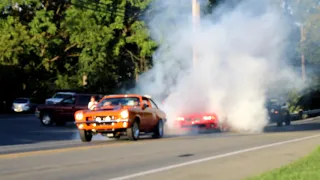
pixel 26 129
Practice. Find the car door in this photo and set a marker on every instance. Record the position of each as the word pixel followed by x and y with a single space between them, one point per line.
pixel 154 108
pixel 68 108
pixel 147 115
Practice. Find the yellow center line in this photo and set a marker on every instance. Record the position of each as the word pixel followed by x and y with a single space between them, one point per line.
pixel 78 148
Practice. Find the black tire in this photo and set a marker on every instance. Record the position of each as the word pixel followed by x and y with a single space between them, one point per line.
pixel 300 114
pixel 279 124
pixel 85 136
pixel 60 123
pixel 46 119
pixel 288 120
pixel 159 130
pixel 133 132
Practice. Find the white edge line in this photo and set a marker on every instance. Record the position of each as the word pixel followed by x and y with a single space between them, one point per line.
pixel 211 158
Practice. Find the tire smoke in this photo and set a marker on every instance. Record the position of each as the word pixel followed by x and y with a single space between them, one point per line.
pixel 240 50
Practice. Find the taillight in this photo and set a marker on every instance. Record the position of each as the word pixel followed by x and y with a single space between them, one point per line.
pixel 180 119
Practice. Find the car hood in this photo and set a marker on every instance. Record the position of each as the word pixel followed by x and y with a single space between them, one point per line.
pixel 105 109
pixel 197 114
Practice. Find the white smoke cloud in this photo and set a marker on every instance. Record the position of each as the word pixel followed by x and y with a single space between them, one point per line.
pixel 240 54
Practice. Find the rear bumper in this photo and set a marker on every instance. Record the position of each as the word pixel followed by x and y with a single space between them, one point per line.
pixel 277 117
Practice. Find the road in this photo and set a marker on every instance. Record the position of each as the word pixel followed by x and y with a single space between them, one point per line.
pixel 180 157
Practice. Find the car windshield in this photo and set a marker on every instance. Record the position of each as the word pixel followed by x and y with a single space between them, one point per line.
pixel 21 100
pixel 125 101
pixel 61 96
pixel 273 103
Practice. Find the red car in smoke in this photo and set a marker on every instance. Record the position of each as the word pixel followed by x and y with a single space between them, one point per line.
pixel 198 121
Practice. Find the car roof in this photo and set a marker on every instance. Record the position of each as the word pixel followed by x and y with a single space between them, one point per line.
pixel 127 95
pixel 23 98
pixel 87 94
pixel 71 93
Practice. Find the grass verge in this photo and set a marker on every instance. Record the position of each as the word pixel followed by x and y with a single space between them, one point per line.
pixel 306 168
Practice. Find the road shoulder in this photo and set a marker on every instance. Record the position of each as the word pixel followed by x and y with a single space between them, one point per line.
pixel 243 165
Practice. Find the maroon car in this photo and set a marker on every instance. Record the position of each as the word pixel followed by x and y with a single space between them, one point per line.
pixel 63 112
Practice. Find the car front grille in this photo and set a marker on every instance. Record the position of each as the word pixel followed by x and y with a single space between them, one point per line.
pixel 193 119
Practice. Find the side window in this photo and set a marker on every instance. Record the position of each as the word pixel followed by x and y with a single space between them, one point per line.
pixel 145 101
pixel 83 100
pixel 153 104
pixel 70 100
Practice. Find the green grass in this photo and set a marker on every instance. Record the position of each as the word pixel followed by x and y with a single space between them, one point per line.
pixel 307 168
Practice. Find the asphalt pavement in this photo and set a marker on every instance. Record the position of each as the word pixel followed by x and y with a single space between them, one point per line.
pixel 30 151
pixel 26 129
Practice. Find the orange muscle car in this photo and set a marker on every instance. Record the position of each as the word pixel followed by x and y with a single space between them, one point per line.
pixel 121 115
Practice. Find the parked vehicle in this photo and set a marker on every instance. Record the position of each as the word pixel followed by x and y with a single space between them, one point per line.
pixel 22 104
pixel 58 97
pixel 62 112
pixel 278 112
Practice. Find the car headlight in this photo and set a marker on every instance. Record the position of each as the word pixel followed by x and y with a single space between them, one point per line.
pixel 180 119
pixel 79 116
pixel 208 117
pixel 124 114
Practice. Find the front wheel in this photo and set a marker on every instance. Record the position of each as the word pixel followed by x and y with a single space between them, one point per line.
pixel 158 132
pixel 85 136
pixel 133 132
pixel 46 119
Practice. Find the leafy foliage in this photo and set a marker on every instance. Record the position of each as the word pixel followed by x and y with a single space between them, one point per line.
pixel 48 45
pixel 52 44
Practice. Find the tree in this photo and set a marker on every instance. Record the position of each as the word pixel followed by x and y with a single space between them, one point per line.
pixel 51 44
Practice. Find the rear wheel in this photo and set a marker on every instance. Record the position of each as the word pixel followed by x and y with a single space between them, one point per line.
pixel 85 136
pixel 46 119
pixel 133 132
pixel 279 123
pixel 288 120
pixel 158 132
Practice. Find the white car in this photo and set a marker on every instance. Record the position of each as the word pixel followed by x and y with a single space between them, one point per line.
pixel 23 105
pixel 58 97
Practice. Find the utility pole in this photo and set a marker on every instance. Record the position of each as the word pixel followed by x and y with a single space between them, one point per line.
pixel 303 66
pixel 196 21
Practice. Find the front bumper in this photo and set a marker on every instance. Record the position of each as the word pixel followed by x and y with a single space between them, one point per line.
pixel 110 126
pixel 20 109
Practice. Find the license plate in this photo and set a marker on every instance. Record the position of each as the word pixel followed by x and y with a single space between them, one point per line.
pixel 110 134
pixel 107 119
